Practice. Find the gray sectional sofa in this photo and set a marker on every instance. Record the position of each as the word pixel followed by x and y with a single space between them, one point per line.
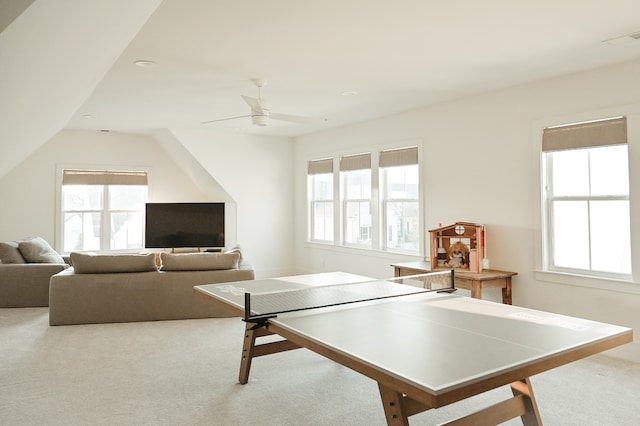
pixel 127 288
pixel 25 269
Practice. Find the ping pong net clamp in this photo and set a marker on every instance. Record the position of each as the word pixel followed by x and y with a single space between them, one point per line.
pixel 258 320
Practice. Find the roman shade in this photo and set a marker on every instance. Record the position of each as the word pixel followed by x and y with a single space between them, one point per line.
pixel 399 157
pixel 612 131
pixel 103 177
pixel 355 162
pixel 318 167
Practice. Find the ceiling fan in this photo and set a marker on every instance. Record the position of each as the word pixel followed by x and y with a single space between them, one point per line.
pixel 260 114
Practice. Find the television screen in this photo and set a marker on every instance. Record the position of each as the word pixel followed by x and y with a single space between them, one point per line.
pixel 176 225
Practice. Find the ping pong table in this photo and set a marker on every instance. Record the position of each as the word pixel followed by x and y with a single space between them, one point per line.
pixel 425 349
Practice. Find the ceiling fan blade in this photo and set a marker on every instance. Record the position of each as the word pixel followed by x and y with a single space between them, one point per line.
pixel 296 118
pixel 255 104
pixel 225 119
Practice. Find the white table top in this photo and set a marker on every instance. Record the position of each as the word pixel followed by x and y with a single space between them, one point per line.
pixel 433 341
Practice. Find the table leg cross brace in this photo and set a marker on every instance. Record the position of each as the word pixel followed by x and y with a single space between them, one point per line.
pixel 399 407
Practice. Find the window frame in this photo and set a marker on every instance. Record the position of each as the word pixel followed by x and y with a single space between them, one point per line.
pixel 378 221
pixel 319 167
pixel 549 200
pixel 106 212
pixel 540 271
pixel 385 200
pixel 354 164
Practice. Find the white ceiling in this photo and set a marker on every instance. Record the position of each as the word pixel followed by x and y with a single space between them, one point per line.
pixel 397 55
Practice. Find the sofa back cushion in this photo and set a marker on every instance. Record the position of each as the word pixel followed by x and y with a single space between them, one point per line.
pixel 9 253
pixel 199 261
pixel 91 263
pixel 37 250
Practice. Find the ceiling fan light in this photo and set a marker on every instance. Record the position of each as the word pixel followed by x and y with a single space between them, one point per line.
pixel 259 120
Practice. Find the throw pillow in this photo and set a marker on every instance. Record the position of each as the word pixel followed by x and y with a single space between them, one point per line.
pixel 37 250
pixel 92 263
pixel 236 249
pixel 9 253
pixel 199 261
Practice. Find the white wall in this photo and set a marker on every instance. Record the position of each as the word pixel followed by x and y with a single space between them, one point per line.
pixel 28 191
pixel 253 174
pixel 257 172
pixel 480 164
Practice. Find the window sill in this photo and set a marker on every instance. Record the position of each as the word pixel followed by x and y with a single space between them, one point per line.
pixel 360 250
pixel 607 284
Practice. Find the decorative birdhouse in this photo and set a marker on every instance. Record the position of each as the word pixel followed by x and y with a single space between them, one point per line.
pixel 458 246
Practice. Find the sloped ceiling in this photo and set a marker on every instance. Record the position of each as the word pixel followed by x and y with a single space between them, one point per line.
pixel 11 9
pixel 53 56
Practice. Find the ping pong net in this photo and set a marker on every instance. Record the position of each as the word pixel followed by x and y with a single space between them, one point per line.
pixel 259 307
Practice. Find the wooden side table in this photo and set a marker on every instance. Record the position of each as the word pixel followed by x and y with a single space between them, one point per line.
pixel 489 278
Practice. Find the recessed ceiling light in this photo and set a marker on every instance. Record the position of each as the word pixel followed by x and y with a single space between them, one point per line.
pixel 143 63
pixel 350 93
pixel 87 116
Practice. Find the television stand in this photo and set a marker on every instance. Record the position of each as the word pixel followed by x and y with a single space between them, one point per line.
pixel 195 250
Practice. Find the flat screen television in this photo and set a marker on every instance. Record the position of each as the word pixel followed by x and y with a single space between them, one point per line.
pixel 178 225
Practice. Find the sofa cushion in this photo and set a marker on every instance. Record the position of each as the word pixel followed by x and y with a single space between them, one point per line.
pixel 37 250
pixel 199 261
pixel 9 253
pixel 92 263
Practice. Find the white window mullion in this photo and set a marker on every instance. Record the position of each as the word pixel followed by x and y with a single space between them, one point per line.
pixel 337 203
pixel 105 231
pixel 377 220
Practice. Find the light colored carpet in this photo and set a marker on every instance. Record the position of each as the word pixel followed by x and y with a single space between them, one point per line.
pixel 185 373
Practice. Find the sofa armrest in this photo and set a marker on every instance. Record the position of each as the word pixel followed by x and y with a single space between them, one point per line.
pixel 26 284
pixel 245 265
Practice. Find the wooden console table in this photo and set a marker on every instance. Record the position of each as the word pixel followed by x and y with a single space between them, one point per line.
pixel 476 282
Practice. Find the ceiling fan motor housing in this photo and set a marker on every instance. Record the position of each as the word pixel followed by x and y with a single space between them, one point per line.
pixel 260 120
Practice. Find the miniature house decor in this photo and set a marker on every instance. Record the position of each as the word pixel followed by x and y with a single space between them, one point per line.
pixel 458 246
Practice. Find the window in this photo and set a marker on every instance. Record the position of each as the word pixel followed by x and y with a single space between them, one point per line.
pixel 320 189
pixel 400 199
pixel 371 201
pixel 103 210
pixel 586 198
pixel 355 173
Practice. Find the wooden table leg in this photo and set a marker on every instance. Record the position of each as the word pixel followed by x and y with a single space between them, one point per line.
pixel 250 349
pixel 248 346
pixel 394 409
pixel 532 416
pixel 506 292
pixel 476 289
